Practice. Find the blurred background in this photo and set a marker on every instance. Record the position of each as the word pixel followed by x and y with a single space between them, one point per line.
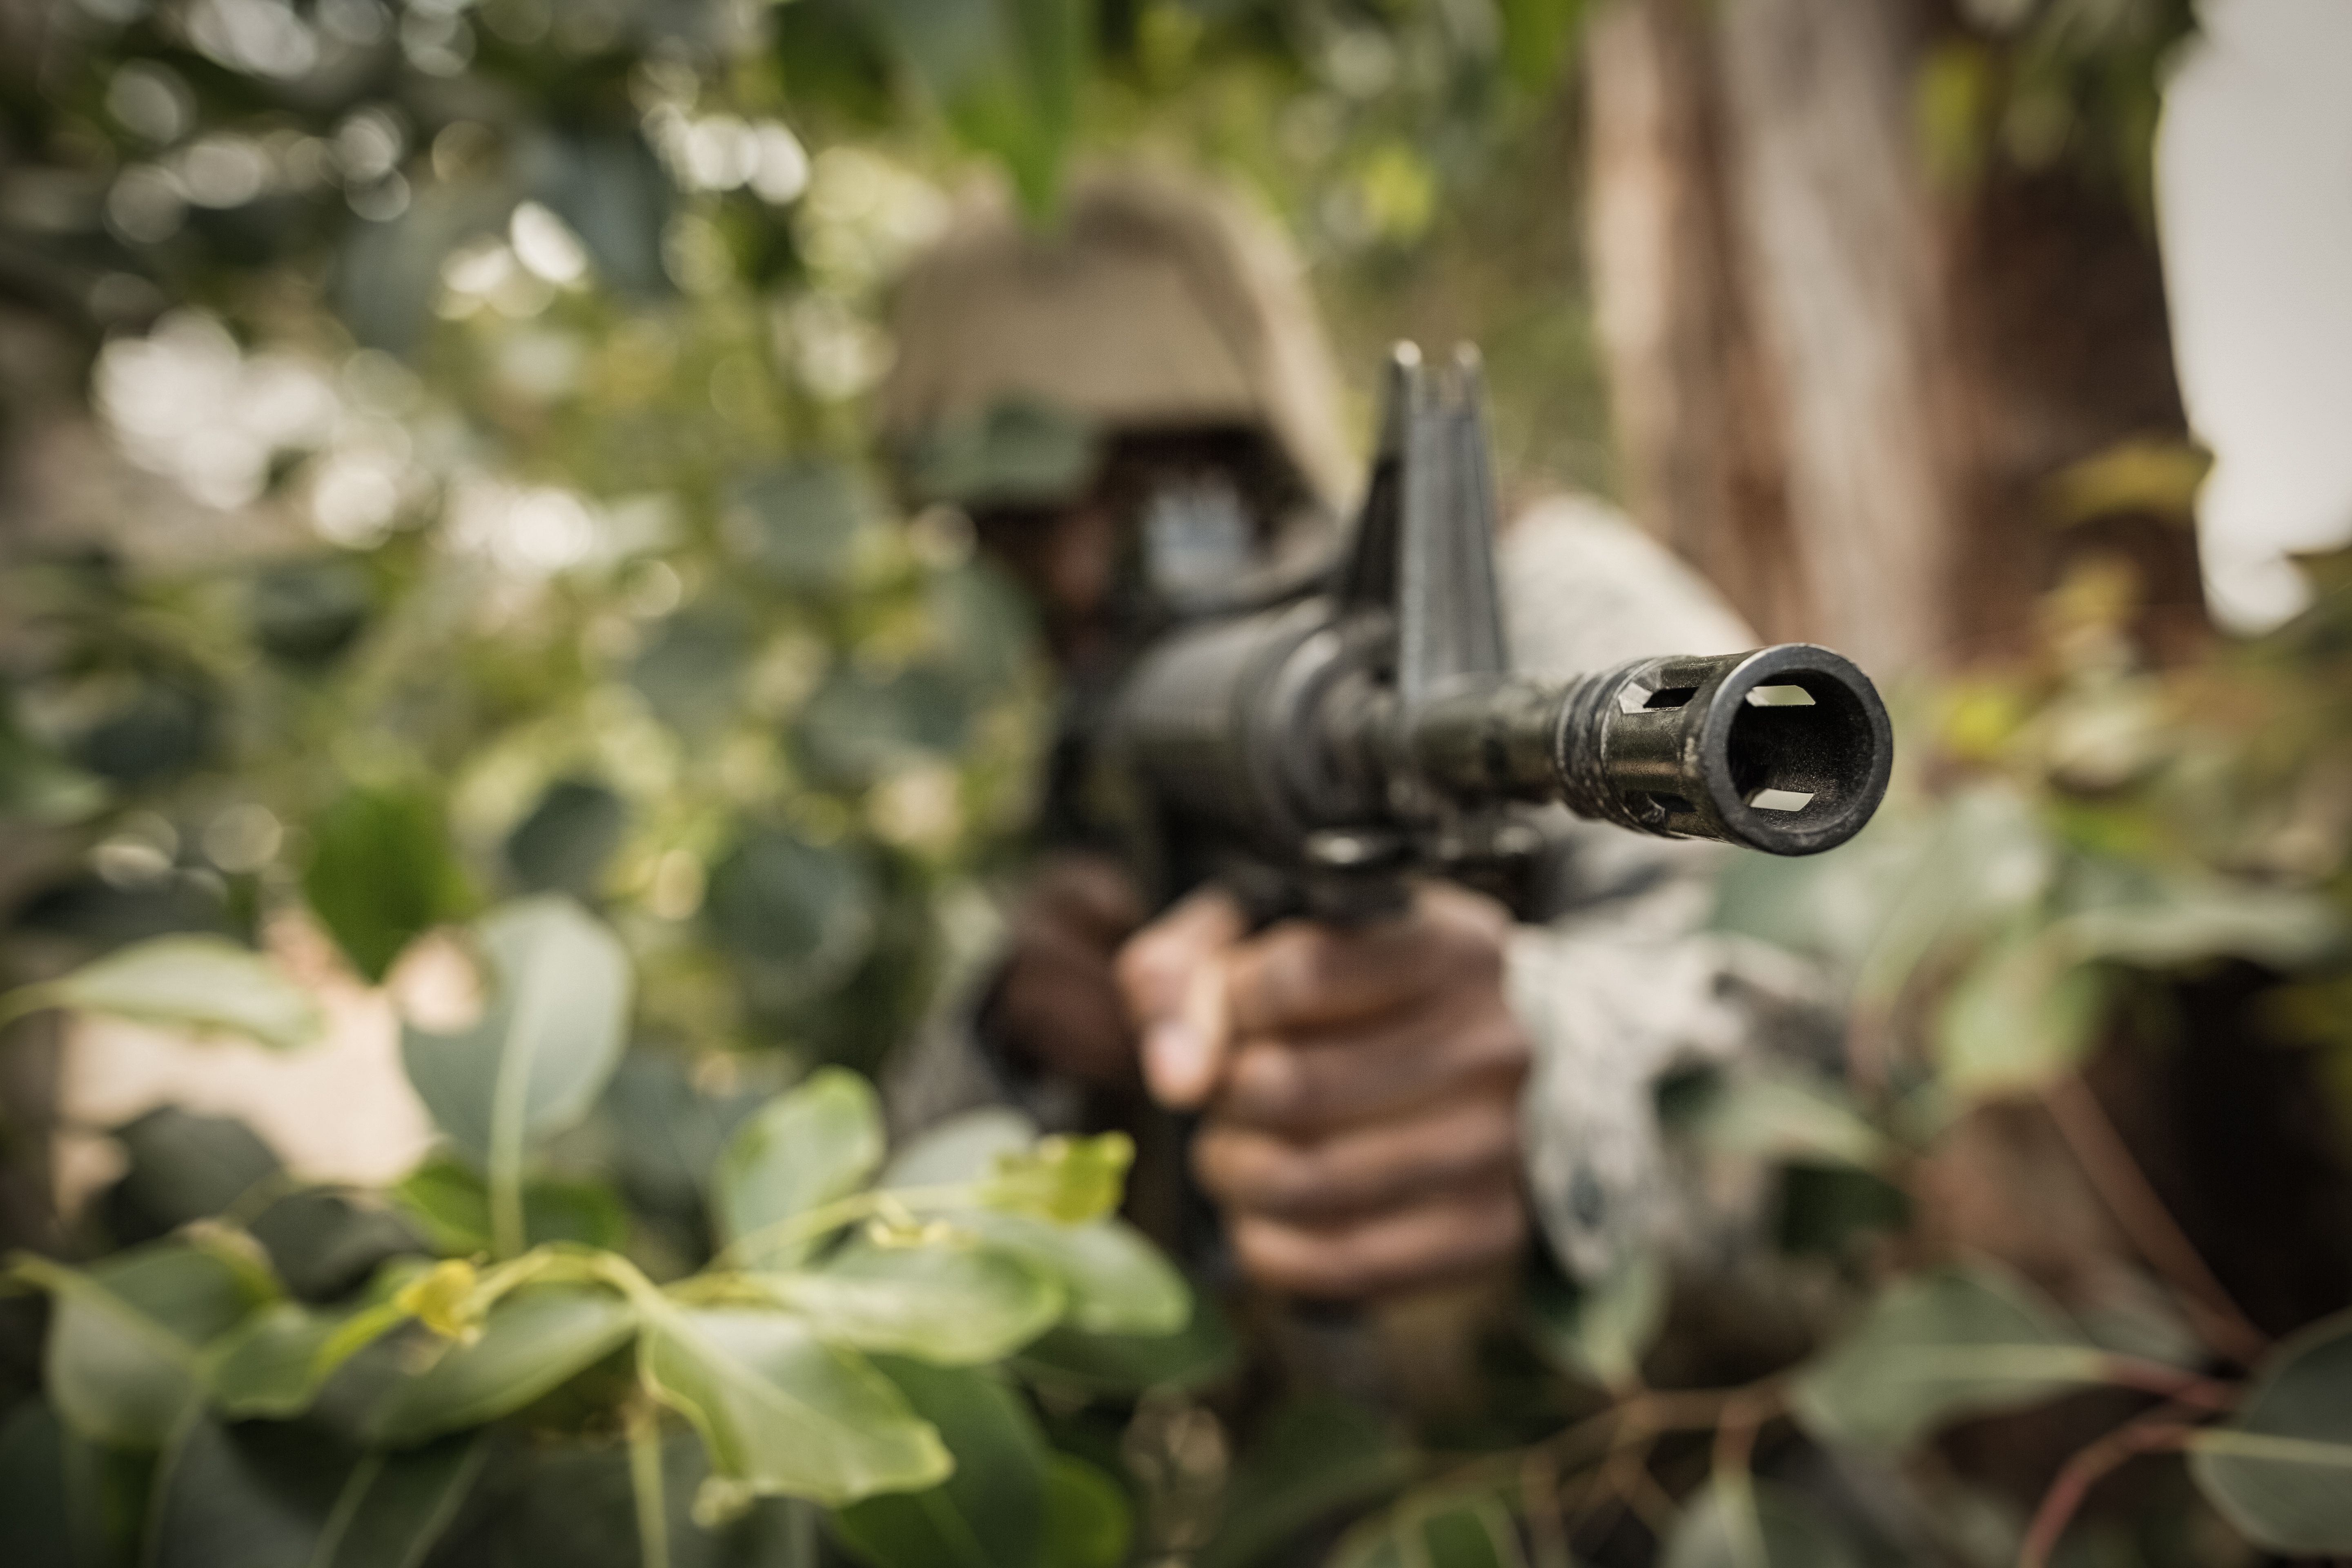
pixel 437 463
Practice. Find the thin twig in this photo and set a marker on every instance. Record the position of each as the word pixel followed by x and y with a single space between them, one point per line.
pixel 2124 1188
pixel 2152 1434
pixel 1539 1500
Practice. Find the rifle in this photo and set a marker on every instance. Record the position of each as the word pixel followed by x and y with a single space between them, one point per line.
pixel 1314 753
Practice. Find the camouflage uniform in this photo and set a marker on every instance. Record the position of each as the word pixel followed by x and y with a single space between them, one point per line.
pixel 1159 306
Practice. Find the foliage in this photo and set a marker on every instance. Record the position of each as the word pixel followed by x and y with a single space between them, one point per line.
pixel 837 1347
pixel 489 385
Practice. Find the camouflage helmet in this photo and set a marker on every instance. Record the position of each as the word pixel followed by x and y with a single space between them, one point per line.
pixel 1154 304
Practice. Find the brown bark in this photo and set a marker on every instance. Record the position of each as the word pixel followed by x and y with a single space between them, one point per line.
pixel 1840 390
pixel 1691 394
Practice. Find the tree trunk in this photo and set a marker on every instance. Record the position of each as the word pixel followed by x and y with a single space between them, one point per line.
pixel 1839 390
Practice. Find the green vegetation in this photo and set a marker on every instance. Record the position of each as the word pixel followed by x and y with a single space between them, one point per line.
pixel 484 530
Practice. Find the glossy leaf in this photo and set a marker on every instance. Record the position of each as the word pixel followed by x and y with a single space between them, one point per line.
pixel 183 1167
pixel 803 1150
pixel 1785 1117
pixel 327 1244
pixel 207 985
pixel 991 1512
pixel 563 846
pixel 1936 1348
pixel 800 916
pixel 692 673
pixel 123 1361
pixel 796 522
pixel 533 1339
pixel 781 1412
pixel 275 1363
pixel 265 1495
pixel 573 1504
pixel 547 1041
pixel 451 1205
pixel 858 726
pixel 1088 1520
pixel 1066 1179
pixel 1754 1524
pixel 2020 1018
pixel 36 1521
pixel 961 1148
pixel 2165 923
pixel 948 1304
pixel 1117 1282
pixel 382 871
pixel 1074 1361
pixel 2281 1466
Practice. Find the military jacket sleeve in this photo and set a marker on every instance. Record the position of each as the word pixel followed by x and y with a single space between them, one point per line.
pixel 1622 985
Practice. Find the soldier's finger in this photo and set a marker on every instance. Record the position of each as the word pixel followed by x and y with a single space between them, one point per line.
pixel 1457 1233
pixel 1363 1171
pixel 1172 978
pixel 1306 974
pixel 1091 895
pixel 1338 1079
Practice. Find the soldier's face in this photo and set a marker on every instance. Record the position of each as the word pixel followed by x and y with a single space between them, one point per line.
pixel 1067 557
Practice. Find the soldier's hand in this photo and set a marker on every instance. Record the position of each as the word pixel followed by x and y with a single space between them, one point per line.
pixel 1361 1087
pixel 1057 1001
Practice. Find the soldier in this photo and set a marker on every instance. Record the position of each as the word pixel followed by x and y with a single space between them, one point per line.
pixel 1138 414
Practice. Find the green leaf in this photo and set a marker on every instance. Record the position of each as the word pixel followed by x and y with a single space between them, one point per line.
pixel 692 673
pixel 780 1411
pixel 187 980
pixel 1088 1520
pixel 36 1516
pixel 796 525
pixel 2169 921
pixel 451 1205
pixel 276 1362
pixel 2020 1018
pixel 1936 1347
pixel 1007 74
pixel 1745 1523
pixel 1784 1117
pixel 382 871
pixel 1424 1532
pixel 571 1505
pixel 800 1151
pixel 124 1359
pixel 534 1339
pixel 326 1243
pixel 183 1167
pixel 1118 1283
pixel 991 1512
pixel 1314 1458
pixel 1539 39
pixel 1074 1360
pixel 858 726
pixel 948 1304
pixel 1603 1331
pixel 265 1495
pixel 2281 1468
pixel 963 1148
pixel 37 783
pixel 546 1043
pixel 1067 1180
pixel 798 917
pixel 563 846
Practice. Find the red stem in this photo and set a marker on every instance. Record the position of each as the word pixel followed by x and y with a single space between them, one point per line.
pixel 2152 1433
